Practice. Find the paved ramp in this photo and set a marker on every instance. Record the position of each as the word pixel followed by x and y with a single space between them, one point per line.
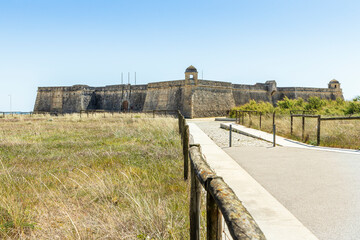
pixel 276 222
pixel 321 188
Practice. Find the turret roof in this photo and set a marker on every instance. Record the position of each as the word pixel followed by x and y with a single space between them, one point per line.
pixel 191 69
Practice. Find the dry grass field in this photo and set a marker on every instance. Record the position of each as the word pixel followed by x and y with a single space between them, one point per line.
pixel 67 177
pixel 339 133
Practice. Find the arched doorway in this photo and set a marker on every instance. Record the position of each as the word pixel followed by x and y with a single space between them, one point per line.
pixel 125 106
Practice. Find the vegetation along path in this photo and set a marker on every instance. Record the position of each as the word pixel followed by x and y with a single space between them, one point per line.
pixel 92 177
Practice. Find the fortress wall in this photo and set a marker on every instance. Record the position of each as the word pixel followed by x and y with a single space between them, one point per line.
pixel 306 93
pixel 211 101
pixel 163 98
pixel 167 84
pixel 43 99
pixel 257 86
pixel 71 102
pixel 214 83
pixel 242 96
pixel 51 99
pixel 164 95
pixel 243 93
pixel 198 98
pixel 112 98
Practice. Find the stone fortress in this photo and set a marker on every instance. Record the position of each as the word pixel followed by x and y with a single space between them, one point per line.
pixel 192 96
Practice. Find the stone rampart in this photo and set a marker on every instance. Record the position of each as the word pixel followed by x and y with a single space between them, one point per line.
pixel 192 96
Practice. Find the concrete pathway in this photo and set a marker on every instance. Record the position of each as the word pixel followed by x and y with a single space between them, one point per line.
pixel 273 218
pixel 320 188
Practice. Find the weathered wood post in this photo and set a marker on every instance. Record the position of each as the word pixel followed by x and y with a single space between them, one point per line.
pixel 230 138
pixel 195 197
pixel 291 124
pixel 318 130
pixel 80 113
pixel 186 152
pixel 213 219
pixel 303 128
pixel 182 128
pixel 236 116
pixel 242 117
pixel 260 119
pixel 274 115
pixel 250 121
pixel 274 135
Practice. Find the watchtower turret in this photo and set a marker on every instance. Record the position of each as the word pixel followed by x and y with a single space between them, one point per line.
pixel 334 84
pixel 191 76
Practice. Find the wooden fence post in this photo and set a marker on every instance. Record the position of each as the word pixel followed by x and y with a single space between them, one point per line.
pixel 153 113
pixel 250 121
pixel 274 118
pixel 195 196
pixel 260 119
pixel 303 128
pixel 291 124
pixel 318 130
pixel 230 137
pixel 186 152
pixel 213 219
pixel 274 135
pixel 242 116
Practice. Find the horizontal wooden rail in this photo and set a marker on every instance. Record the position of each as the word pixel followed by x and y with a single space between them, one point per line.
pixel 340 118
pixel 240 223
pixel 304 115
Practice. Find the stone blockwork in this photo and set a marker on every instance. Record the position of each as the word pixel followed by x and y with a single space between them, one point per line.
pixel 192 96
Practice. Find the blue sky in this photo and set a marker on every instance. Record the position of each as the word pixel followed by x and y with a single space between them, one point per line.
pixel 296 43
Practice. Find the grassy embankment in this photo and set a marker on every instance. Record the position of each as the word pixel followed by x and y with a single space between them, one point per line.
pixel 90 178
pixel 339 133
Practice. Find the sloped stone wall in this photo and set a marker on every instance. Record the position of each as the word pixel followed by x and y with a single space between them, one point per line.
pixel 202 98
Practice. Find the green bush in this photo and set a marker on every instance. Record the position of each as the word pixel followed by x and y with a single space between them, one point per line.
pixel 314 104
pixel 252 105
pixel 352 107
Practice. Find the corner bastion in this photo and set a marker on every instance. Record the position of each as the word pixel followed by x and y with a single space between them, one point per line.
pixel 192 96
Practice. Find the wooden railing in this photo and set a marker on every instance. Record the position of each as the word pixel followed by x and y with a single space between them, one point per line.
pixel 239 118
pixel 319 120
pixel 221 201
